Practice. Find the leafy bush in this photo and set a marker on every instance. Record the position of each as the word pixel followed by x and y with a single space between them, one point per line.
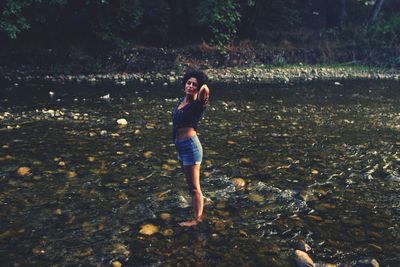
pixel 221 17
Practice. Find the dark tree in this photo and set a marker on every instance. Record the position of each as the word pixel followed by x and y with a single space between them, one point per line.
pixel 375 11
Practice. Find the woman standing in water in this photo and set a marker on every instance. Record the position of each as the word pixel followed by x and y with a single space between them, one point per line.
pixel 188 112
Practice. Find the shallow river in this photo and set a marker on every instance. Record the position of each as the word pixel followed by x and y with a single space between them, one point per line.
pixel 320 163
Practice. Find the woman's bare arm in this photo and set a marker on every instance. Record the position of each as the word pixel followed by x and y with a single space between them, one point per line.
pixel 204 93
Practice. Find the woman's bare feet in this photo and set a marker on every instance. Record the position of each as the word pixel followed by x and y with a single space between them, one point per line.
pixel 191 223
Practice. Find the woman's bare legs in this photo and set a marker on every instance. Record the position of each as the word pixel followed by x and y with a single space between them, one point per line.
pixel 192 173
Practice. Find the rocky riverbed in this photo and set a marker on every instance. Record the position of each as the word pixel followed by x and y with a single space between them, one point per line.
pixel 254 74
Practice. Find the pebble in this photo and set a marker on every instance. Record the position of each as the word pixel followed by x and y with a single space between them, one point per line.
pixel 122 122
pixel 23 171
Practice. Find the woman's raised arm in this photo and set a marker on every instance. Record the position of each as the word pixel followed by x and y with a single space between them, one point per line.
pixel 204 93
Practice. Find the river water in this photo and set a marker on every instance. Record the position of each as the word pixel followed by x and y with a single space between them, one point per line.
pixel 320 162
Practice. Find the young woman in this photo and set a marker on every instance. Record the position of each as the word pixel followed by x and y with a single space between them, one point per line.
pixel 188 112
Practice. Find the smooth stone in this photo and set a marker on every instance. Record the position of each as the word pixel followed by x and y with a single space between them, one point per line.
pixel 148 229
pixel 23 171
pixel 239 182
pixel 303 246
pixel 302 259
pixel 122 122
pixel 168 232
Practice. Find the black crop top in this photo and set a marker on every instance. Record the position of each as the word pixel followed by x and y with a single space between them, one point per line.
pixel 188 116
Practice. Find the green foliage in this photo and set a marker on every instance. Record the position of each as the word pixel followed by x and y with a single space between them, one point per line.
pixel 11 20
pixel 221 17
pixel 280 61
pixel 385 33
pixel 114 20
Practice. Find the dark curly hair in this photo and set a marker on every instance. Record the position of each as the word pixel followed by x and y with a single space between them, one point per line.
pixel 199 75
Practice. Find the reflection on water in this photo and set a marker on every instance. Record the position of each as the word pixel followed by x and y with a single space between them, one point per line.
pixel 319 162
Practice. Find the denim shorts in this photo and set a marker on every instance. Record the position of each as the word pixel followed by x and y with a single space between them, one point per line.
pixel 190 151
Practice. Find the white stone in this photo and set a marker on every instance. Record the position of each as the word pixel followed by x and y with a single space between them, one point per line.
pixel 122 122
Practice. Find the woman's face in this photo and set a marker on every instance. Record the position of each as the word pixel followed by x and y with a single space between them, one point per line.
pixel 191 86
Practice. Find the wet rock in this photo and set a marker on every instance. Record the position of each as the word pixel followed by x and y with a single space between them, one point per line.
pixel 23 171
pixel 302 259
pixel 148 154
pixel 167 232
pixel 367 263
pixel 303 246
pixel 238 182
pixel 116 264
pixel 122 122
pixel 148 229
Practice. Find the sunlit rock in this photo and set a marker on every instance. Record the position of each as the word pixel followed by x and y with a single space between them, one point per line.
pixel 167 232
pixel 245 160
pixel 23 171
pixel 238 182
pixel 71 174
pixel 148 229
pixel 314 172
pixel 58 212
pixel 303 246
pixel 167 167
pixel 302 259
pixel 123 197
pixel 148 154
pixel 61 164
pixel 122 122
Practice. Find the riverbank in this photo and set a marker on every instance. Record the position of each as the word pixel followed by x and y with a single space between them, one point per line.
pixel 238 64
pixel 255 74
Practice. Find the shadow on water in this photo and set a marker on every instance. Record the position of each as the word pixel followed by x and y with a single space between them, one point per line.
pixel 317 162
